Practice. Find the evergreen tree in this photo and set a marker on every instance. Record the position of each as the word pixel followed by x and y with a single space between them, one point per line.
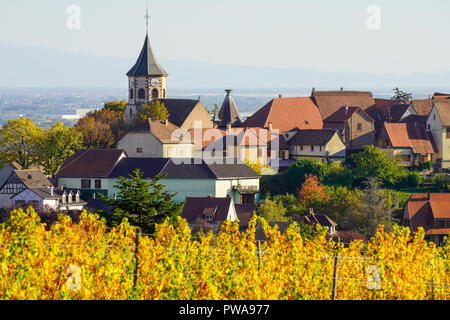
pixel 144 202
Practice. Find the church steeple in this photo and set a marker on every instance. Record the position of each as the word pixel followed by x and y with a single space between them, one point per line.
pixel 146 64
pixel 147 78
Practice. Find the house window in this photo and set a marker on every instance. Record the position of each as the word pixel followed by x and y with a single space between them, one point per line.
pixel 359 126
pixel 406 157
pixel 312 148
pixel 429 127
pixel 301 148
pixel 98 184
pixel 19 202
pixel 320 148
pixel 209 217
pixel 141 94
pixel 33 203
pixel 448 133
pixel 85 183
pixel 155 93
pixel 138 150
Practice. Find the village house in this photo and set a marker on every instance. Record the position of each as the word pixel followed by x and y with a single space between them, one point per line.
pixel 319 144
pixel 157 139
pixel 438 124
pixel 321 219
pixel 355 126
pixel 248 145
pixel 408 141
pixel 97 171
pixel 286 114
pixel 31 187
pixel 328 102
pixel 431 211
pixel 88 170
pixel 208 213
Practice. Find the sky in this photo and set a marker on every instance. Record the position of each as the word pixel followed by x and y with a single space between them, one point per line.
pixel 409 35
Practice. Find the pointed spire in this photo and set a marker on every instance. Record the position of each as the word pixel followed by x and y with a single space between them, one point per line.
pixel 146 64
pixel 228 112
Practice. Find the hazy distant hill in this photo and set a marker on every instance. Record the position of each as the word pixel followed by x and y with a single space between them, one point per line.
pixel 33 66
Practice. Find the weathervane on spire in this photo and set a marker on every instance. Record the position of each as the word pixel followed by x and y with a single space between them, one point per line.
pixel 147 17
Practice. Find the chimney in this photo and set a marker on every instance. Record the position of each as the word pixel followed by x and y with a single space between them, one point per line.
pixel 229 125
pixel 270 126
pixel 313 89
pixel 280 96
pixel 166 122
pixel 346 109
pixel 198 98
pixel 93 195
pixel 342 89
pixel 51 191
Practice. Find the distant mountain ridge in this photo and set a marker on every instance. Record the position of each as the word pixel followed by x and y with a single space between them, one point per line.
pixel 23 66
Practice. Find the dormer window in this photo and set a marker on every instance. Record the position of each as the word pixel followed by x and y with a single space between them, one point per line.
pixel 209 217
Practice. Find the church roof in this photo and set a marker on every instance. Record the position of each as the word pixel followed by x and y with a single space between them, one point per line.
pixel 146 64
pixel 228 112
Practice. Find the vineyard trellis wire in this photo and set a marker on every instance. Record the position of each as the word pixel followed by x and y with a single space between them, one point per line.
pixel 119 264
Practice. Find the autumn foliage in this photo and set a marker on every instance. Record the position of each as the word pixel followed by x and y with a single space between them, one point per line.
pixel 40 264
pixel 311 190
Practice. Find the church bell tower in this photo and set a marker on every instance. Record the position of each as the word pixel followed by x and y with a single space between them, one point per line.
pixel 147 80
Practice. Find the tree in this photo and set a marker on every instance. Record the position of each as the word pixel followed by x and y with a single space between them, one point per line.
pixel 144 202
pixel 272 210
pixel 56 145
pixel 295 174
pixel 117 106
pixel 102 128
pixel 291 203
pixel 373 163
pixel 19 141
pixel 311 191
pixel 339 203
pixel 374 208
pixel 339 175
pixel 401 95
pixel 442 182
pixel 154 111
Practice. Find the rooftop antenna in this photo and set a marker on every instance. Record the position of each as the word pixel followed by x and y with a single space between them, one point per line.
pixel 147 17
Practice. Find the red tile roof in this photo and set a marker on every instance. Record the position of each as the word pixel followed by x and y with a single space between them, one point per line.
pixel 329 102
pixel 162 130
pixel 409 135
pixel 286 114
pixel 423 208
pixel 345 113
pixel 443 110
pixel 441 96
pixel 242 137
pixel 422 106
